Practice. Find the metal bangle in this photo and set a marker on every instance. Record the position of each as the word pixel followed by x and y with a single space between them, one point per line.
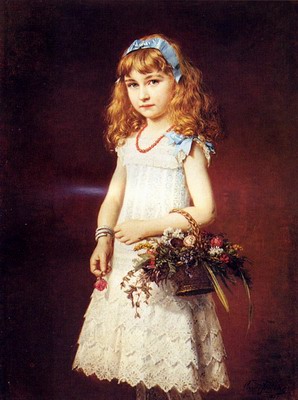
pixel 104 232
pixel 100 235
pixel 105 229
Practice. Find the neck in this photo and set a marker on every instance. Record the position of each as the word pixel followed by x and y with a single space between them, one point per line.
pixel 158 125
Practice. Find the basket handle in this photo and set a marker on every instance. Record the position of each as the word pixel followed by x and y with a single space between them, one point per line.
pixel 193 224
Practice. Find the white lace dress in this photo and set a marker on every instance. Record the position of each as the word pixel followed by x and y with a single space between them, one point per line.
pixel 176 344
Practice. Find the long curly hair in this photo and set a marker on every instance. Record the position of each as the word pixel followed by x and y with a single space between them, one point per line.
pixel 192 110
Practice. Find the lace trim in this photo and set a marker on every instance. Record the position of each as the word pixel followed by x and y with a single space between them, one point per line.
pixel 165 155
pixel 156 393
pixel 161 156
pixel 215 385
pixel 137 352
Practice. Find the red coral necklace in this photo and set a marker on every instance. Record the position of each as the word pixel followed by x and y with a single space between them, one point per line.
pixel 153 144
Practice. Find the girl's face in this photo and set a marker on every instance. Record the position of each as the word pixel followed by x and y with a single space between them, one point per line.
pixel 150 94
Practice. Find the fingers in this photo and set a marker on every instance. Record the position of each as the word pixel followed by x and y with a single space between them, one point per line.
pixel 128 241
pixel 125 236
pixel 123 239
pixel 116 228
pixel 103 265
pixel 118 233
pixel 99 265
pixel 95 267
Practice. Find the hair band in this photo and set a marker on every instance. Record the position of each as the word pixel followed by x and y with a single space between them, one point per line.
pixel 164 47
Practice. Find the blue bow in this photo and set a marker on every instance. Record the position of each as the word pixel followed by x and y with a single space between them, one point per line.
pixel 210 147
pixel 164 47
pixel 182 142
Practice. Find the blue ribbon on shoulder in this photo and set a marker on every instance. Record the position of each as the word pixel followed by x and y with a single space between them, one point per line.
pixel 182 142
pixel 210 147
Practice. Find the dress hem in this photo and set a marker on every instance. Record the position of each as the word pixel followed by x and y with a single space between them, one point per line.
pixel 130 383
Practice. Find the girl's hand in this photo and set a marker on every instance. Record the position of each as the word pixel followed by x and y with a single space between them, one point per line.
pixel 130 231
pixel 101 256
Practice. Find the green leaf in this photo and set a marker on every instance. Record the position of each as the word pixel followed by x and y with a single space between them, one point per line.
pixel 145 256
pixel 140 264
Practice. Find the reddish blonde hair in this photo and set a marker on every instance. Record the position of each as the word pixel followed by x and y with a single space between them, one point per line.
pixel 191 110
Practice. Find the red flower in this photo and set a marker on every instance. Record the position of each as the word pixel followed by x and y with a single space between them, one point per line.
pixel 152 263
pixel 216 241
pixel 224 258
pixel 151 252
pixel 101 284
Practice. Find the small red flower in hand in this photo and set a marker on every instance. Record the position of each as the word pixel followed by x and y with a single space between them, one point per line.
pixel 100 284
pixel 216 241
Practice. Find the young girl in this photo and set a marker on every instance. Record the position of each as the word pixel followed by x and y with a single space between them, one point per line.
pixel 161 123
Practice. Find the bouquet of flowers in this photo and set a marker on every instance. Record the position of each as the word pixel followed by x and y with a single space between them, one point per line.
pixel 197 264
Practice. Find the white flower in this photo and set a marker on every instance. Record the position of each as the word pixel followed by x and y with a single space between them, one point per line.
pixel 164 240
pixel 215 251
pixel 178 234
pixel 169 231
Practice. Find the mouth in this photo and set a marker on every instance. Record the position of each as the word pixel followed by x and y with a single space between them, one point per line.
pixel 147 106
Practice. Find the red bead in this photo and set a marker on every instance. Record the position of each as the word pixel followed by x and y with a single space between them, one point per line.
pixel 153 144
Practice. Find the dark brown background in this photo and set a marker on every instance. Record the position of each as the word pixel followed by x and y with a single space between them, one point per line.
pixel 58 69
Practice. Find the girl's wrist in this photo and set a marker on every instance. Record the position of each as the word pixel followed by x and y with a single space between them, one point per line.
pixel 150 228
pixel 104 240
pixel 156 227
pixel 103 231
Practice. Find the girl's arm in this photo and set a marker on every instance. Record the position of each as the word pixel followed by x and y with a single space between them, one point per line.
pixel 108 215
pixel 203 210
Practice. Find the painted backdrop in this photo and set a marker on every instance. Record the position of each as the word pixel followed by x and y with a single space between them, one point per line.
pixel 59 62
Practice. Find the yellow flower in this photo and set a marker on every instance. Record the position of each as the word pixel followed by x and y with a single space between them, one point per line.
pixel 143 245
pixel 237 247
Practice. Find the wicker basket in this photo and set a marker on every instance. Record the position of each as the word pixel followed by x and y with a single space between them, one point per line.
pixel 199 282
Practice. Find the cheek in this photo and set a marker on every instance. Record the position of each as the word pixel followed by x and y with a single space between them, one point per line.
pixel 131 97
pixel 168 97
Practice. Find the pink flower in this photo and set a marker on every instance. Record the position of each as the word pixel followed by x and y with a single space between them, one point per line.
pixel 189 241
pixel 216 241
pixel 100 284
pixel 152 263
pixel 224 258
pixel 152 252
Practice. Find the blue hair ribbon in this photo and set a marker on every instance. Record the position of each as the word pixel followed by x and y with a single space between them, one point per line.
pixel 164 47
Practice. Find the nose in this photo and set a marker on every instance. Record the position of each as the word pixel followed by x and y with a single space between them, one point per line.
pixel 143 93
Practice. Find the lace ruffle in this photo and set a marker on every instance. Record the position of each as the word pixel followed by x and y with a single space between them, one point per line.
pixel 174 344
pixel 142 393
pixel 161 156
pixel 165 155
